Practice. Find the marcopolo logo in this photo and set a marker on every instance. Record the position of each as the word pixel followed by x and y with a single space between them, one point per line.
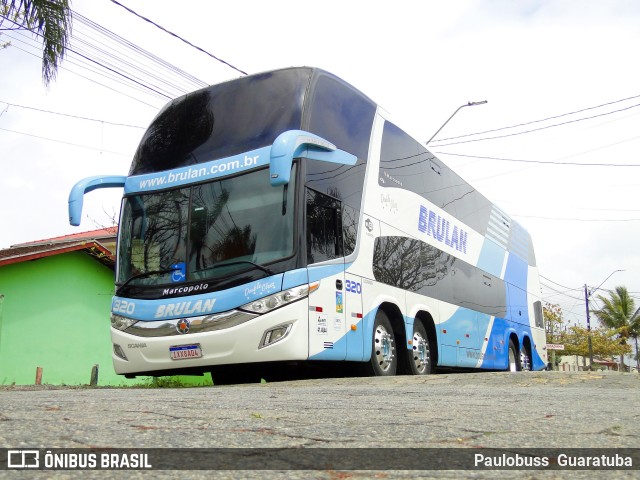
pixel 185 290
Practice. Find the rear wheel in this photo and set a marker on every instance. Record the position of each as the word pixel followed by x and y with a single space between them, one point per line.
pixel 525 359
pixel 420 356
pixel 514 361
pixel 384 361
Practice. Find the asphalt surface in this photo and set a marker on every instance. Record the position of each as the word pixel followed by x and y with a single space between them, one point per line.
pixel 478 410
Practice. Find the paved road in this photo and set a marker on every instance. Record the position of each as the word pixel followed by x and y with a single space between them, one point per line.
pixel 493 410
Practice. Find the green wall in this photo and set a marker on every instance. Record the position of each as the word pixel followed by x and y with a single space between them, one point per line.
pixel 55 315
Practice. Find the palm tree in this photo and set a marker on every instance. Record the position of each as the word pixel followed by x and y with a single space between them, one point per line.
pixel 619 313
pixel 635 333
pixel 50 19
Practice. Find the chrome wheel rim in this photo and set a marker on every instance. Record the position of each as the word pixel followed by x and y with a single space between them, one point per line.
pixel 524 361
pixel 420 353
pixel 384 349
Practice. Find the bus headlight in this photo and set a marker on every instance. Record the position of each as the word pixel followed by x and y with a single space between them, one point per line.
pixel 121 323
pixel 277 300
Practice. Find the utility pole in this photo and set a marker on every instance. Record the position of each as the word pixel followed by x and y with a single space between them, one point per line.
pixel 589 344
pixel 587 294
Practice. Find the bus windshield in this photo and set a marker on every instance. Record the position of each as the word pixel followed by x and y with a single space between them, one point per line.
pixel 205 231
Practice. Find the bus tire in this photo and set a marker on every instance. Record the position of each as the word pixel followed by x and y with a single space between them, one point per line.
pixel 384 358
pixel 419 358
pixel 514 359
pixel 525 359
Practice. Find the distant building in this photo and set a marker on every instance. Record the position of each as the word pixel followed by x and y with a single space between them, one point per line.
pixel 55 301
pixel 574 363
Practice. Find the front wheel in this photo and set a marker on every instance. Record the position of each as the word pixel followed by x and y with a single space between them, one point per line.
pixel 384 360
pixel 420 355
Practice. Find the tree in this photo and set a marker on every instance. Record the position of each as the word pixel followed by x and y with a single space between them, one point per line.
pixel 554 323
pixel 50 19
pixel 619 314
pixel 604 342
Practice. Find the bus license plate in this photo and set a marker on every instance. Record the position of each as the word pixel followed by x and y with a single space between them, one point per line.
pixel 184 352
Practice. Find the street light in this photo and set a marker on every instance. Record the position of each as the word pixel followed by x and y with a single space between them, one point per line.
pixel 587 294
pixel 468 104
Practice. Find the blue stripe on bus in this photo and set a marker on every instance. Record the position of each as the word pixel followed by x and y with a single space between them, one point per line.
pixel 515 277
pixel 199 172
pixel 491 257
pixel 294 278
pixel 194 305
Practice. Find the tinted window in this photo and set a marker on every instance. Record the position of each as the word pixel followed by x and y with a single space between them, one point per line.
pixel 154 235
pixel 238 221
pixel 341 114
pixel 324 228
pixel 344 116
pixel 405 163
pixel 223 120
pixel 537 310
pixel 402 163
pixel 419 267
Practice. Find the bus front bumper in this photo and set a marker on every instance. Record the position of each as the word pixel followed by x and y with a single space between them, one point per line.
pixel 193 344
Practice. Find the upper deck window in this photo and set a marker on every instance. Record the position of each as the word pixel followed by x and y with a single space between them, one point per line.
pixel 223 120
pixel 343 116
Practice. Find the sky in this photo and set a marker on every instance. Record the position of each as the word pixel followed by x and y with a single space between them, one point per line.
pixel 556 146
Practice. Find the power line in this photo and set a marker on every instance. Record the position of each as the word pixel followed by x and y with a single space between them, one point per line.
pixel 99 42
pixel 62 67
pixel 545 162
pixel 559 284
pixel 114 70
pixel 115 56
pixel 71 116
pixel 579 219
pixel 138 50
pixel 178 37
pixel 537 129
pixel 66 143
pixel 558 292
pixel 538 121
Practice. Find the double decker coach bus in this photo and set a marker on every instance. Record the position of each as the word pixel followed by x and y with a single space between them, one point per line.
pixel 282 217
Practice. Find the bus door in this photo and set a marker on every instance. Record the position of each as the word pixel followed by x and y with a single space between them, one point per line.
pixel 325 256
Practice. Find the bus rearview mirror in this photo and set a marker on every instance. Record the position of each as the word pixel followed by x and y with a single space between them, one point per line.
pixel 86 185
pixel 298 143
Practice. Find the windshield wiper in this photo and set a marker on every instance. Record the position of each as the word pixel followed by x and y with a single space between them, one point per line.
pixel 147 274
pixel 239 262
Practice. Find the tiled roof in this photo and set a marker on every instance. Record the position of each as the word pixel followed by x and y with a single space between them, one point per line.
pixel 97 243
pixel 90 235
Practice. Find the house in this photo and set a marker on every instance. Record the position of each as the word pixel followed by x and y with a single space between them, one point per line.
pixel 55 299
pixel 573 363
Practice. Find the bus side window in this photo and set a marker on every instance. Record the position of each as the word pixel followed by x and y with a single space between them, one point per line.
pixel 324 227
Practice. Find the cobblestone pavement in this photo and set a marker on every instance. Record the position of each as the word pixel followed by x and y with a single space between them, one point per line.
pixel 479 410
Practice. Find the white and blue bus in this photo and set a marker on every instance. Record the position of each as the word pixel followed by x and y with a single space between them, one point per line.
pixel 282 218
